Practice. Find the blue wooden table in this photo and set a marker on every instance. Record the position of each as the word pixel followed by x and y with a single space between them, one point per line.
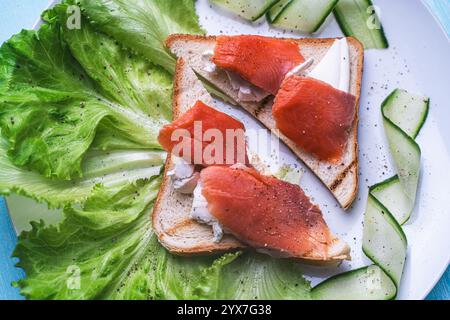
pixel 18 14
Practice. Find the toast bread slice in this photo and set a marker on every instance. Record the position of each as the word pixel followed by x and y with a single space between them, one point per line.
pixel 171 221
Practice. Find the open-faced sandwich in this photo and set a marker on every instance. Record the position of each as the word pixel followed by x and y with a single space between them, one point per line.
pixel 307 92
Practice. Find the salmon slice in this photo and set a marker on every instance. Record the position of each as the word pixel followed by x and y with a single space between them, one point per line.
pixel 271 215
pixel 205 136
pixel 315 115
pixel 262 61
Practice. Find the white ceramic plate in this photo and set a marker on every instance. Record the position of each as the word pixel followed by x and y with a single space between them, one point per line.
pixel 417 60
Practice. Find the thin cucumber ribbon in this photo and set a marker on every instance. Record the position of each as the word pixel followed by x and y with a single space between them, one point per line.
pixel 389 206
pixel 360 19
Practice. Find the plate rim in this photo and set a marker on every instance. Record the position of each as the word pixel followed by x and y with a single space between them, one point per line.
pixel 428 9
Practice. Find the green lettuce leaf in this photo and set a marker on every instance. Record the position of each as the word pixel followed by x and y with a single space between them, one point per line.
pixel 43 94
pixel 17 180
pixel 130 81
pixel 107 250
pixel 50 107
pixel 252 276
pixel 110 168
pixel 144 25
pixel 90 252
pixel 91 97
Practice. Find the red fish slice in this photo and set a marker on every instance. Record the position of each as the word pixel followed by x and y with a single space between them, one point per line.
pixel 315 115
pixel 262 61
pixel 269 214
pixel 203 149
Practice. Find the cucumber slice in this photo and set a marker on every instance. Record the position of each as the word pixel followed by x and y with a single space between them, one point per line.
pixel 392 201
pixel 275 11
pixel 404 115
pixel 368 283
pixel 304 15
pixel 357 18
pixel 383 240
pixel 406 111
pixel 390 194
pixel 248 9
pixel 406 154
pixel 215 91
